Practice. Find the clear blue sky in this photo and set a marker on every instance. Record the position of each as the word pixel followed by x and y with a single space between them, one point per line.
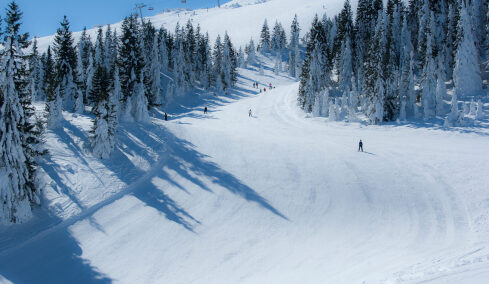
pixel 42 17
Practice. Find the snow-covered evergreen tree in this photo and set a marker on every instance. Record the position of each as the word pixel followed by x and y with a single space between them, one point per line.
pixel 251 53
pixel 429 81
pixel 130 59
pixel 480 113
pixel 346 70
pixel 17 188
pixel 467 77
pixel 265 40
pixel 35 73
pixel 65 54
pixel 294 52
pixel 102 132
pixel 140 104
pixel 441 89
pixel 15 65
pixel 155 69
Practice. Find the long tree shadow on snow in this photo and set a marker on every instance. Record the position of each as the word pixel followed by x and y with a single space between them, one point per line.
pixel 50 258
pixel 183 158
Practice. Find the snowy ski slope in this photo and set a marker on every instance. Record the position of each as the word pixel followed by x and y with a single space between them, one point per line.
pixel 242 19
pixel 276 198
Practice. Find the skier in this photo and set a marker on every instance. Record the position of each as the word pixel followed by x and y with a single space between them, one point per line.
pixel 249 113
pixel 270 85
pixel 264 89
pixel 360 146
pixel 205 110
pixel 166 116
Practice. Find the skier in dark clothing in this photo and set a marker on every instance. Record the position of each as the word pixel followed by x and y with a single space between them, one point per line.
pixel 205 110
pixel 360 146
pixel 166 116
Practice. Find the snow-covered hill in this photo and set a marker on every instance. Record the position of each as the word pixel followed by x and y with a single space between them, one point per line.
pixel 242 19
pixel 275 198
pixel 279 197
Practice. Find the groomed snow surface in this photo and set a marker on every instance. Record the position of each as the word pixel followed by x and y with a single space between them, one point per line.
pixel 278 197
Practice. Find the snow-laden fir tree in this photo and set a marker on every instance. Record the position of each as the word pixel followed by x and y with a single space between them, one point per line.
pixel 473 107
pixel 265 40
pixel 346 71
pixel 140 103
pixel 429 81
pixel 315 74
pixel 15 43
pixel 35 73
pixel 15 195
pixel 179 70
pixel 155 69
pixel 480 113
pixel 241 58
pixel 454 116
pixel 205 62
pixel 217 63
pixel 467 77
pixel 84 54
pixel 130 58
pixel 65 55
pixel 441 89
pixel 294 52
pixel 251 53
pixel 164 61
pixel 101 141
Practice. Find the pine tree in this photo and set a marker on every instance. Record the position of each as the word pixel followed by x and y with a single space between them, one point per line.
pixel 15 195
pixel 480 113
pixel 344 28
pixel 467 75
pixel 315 73
pixel 84 56
pixel 229 63
pixel 205 61
pixel 346 68
pixel 241 58
pixel 265 41
pixel 140 103
pixel 30 129
pixel 218 64
pixel 441 90
pixel 35 73
pixel 406 70
pixel 164 61
pixel 101 141
pixel 250 53
pixel 294 52
pixel 130 59
pixel 155 93
pixel 18 143
pixel 65 55
pixel 429 81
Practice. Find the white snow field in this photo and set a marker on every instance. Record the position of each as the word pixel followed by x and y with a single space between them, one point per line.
pixel 279 197
pixel 275 198
pixel 242 19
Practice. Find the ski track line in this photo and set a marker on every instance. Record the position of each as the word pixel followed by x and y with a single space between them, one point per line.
pixel 133 187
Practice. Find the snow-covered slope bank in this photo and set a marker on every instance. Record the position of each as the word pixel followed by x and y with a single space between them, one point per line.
pixel 242 19
pixel 275 198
